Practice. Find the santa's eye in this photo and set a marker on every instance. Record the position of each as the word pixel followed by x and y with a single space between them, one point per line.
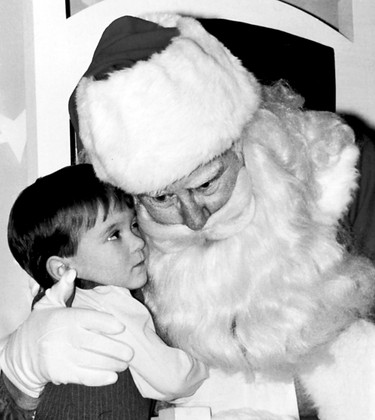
pixel 134 223
pixel 161 198
pixel 158 201
pixel 209 186
pixel 205 185
pixel 164 199
pixel 134 227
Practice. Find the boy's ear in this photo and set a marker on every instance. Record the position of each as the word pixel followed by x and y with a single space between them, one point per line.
pixel 56 267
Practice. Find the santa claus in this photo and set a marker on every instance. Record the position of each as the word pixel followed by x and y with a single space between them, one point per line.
pixel 239 194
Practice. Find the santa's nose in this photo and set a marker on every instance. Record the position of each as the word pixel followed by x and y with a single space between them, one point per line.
pixel 194 214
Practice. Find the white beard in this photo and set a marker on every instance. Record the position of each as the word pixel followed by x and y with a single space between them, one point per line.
pixel 258 291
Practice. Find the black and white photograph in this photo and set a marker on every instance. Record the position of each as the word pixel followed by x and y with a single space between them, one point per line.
pixel 187 223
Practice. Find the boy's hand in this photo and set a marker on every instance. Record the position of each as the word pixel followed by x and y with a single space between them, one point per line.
pixel 64 345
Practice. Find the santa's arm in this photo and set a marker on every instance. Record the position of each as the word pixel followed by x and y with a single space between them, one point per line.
pixel 51 346
pixel 341 378
pixel 14 404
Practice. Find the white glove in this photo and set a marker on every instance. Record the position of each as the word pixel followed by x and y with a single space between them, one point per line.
pixel 64 345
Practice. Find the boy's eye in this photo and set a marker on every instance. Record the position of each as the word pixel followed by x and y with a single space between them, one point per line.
pixel 115 235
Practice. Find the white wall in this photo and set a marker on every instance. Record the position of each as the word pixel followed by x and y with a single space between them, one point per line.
pixel 14 297
pixel 50 54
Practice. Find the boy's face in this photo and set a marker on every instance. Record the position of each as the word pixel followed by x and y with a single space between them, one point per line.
pixel 111 253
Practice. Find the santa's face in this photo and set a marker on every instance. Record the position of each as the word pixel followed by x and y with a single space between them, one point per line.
pixel 193 199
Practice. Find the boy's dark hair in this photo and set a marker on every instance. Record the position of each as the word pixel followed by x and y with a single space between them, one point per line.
pixel 49 216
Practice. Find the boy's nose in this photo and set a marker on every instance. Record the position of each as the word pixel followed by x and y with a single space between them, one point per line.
pixel 139 242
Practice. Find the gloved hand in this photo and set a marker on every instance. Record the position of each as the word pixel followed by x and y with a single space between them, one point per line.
pixel 64 345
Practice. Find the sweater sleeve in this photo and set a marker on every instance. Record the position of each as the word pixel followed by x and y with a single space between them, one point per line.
pixel 14 405
pixel 159 371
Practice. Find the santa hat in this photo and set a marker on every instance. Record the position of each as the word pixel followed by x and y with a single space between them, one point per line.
pixel 179 99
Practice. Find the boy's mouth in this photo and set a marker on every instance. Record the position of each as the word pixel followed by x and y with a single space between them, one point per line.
pixel 140 263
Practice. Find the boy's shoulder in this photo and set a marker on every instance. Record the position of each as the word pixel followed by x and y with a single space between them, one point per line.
pixel 117 301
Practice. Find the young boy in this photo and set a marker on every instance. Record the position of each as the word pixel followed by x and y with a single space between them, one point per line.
pixel 71 220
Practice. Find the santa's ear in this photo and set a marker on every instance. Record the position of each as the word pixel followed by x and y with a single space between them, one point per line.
pixel 56 267
pixel 334 157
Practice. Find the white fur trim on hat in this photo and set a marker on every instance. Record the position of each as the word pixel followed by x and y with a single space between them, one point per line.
pixel 154 123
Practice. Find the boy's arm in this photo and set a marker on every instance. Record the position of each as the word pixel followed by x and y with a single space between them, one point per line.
pixel 159 371
pixel 162 372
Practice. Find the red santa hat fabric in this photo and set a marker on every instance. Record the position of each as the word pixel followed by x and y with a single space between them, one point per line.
pixel 174 104
pixel 125 41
